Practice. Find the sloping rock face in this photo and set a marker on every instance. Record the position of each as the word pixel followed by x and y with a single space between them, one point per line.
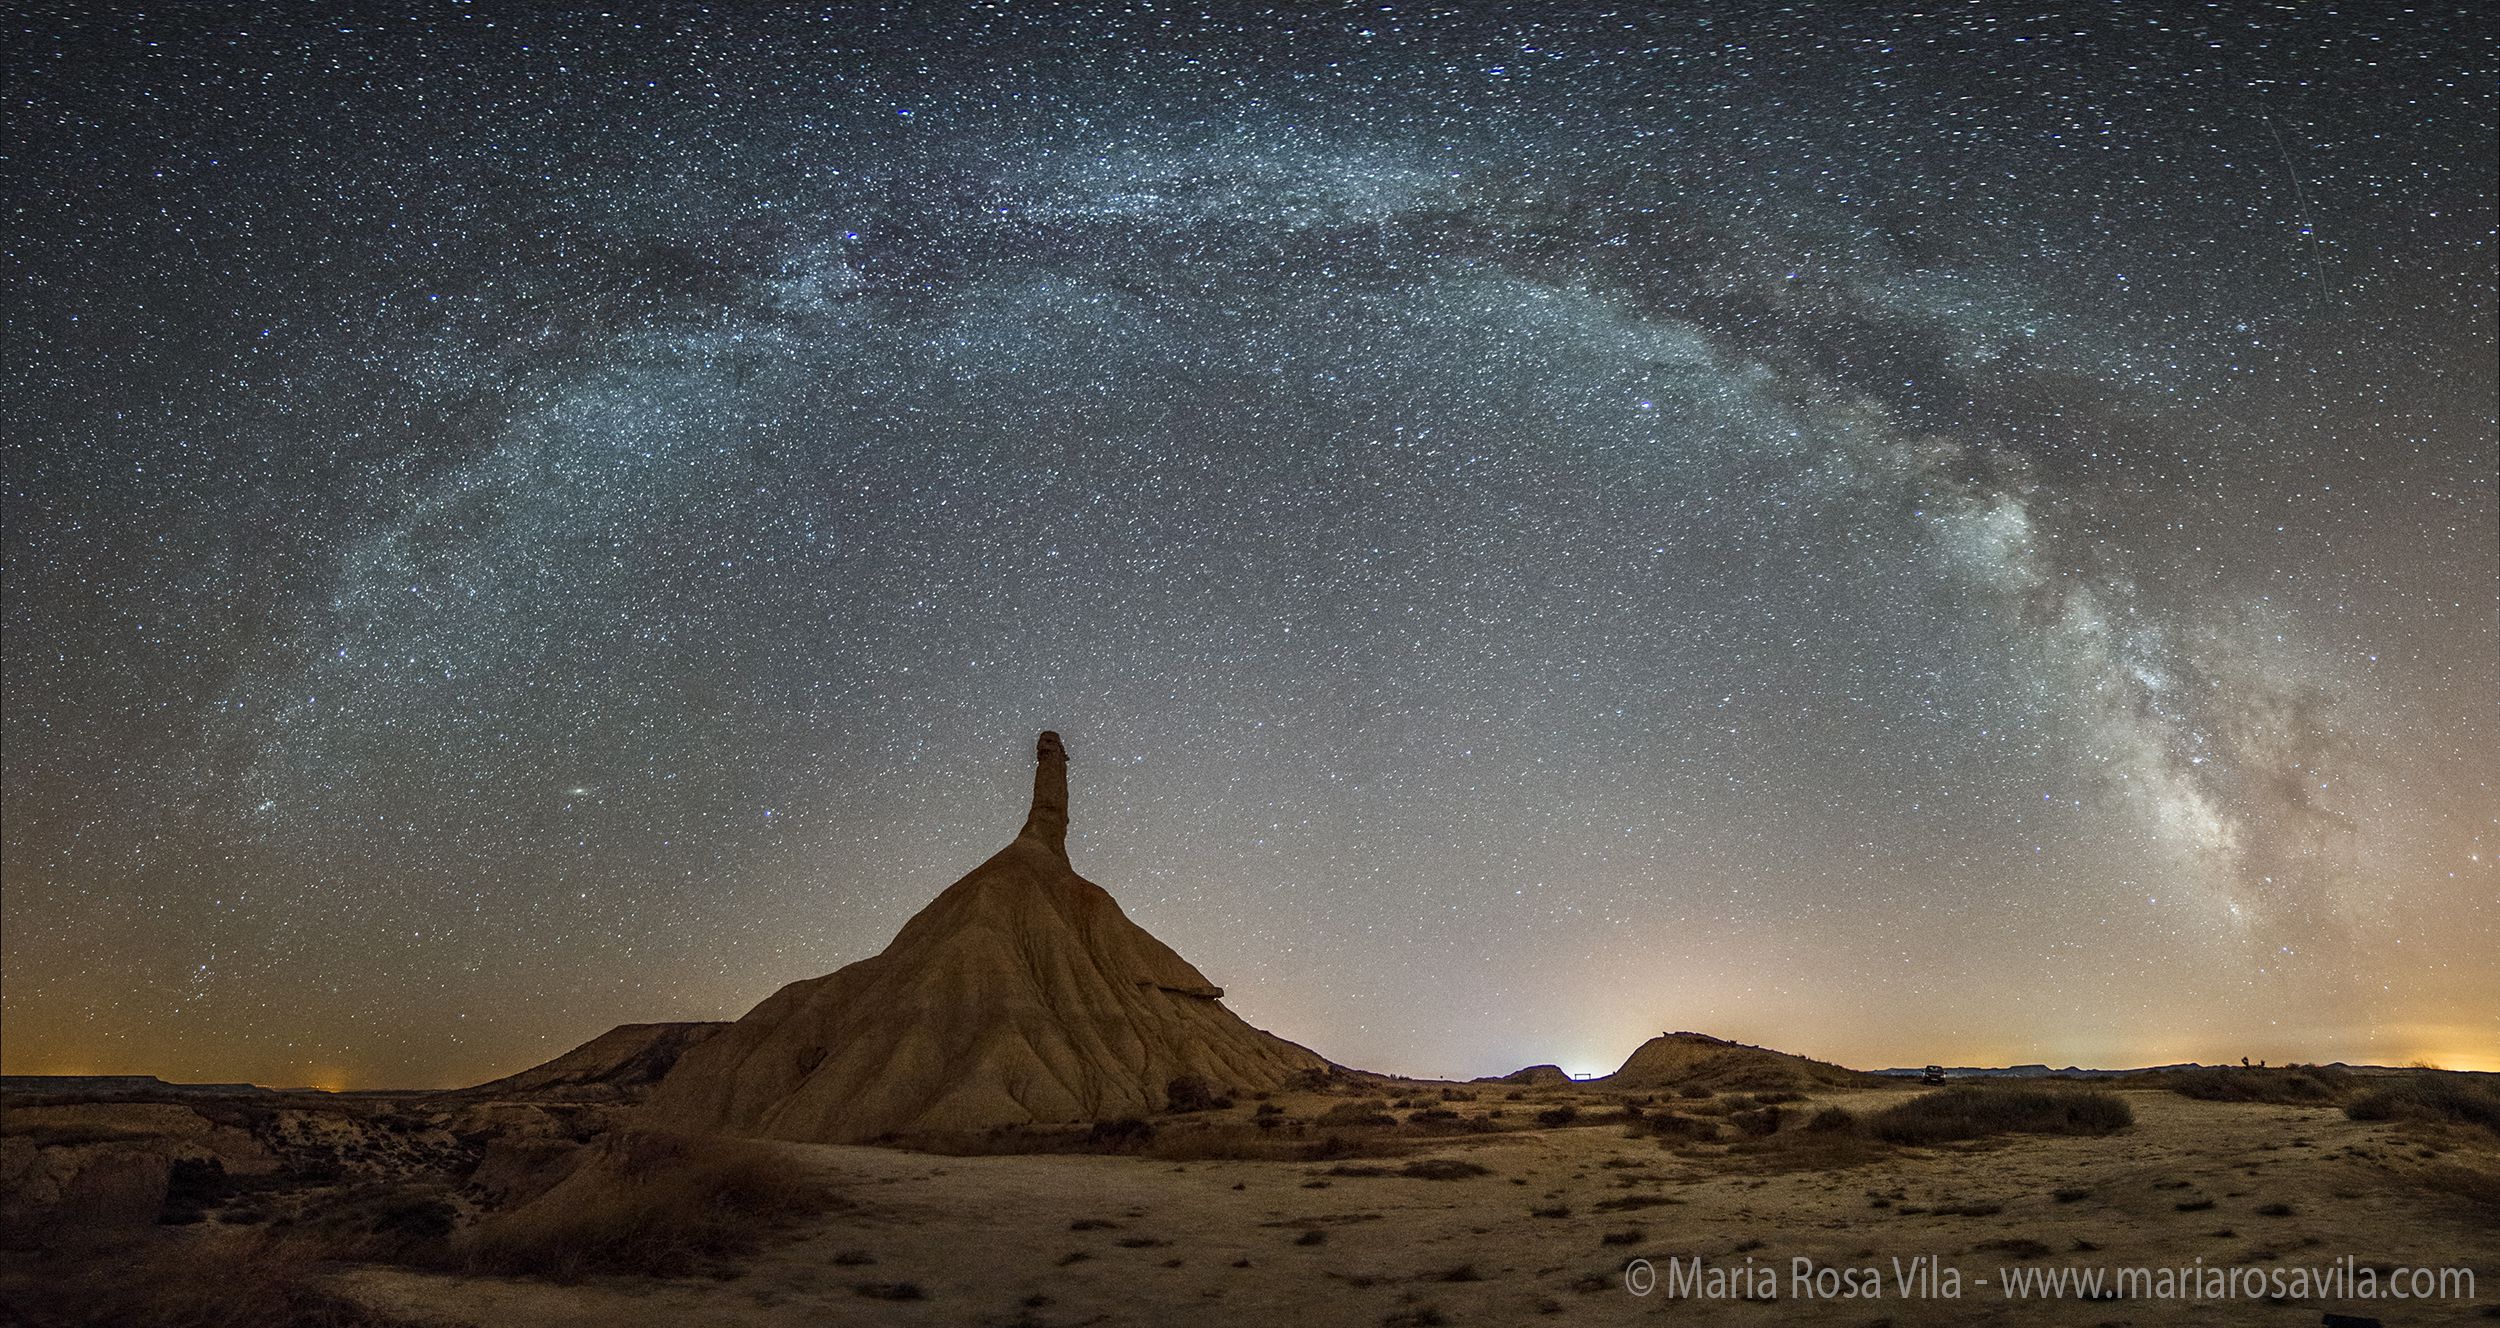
pixel 1021 994
pixel 1675 1060
pixel 80 1169
pixel 622 1064
pixel 1533 1076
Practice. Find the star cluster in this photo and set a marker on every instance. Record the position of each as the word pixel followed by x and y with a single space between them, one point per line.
pixel 1958 535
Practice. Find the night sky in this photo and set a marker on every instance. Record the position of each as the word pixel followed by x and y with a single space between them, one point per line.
pixel 1966 535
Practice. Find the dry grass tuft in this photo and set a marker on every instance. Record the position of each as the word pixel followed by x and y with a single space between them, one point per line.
pixel 197 1278
pixel 659 1205
pixel 1975 1112
pixel 2434 1098
pixel 2291 1085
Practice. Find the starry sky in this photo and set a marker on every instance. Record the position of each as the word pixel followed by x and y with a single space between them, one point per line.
pixel 1963 534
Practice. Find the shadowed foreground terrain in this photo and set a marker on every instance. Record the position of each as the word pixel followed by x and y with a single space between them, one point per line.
pixel 1350 1200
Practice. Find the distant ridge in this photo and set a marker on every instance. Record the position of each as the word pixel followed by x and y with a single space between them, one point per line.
pixel 2076 1072
pixel 123 1085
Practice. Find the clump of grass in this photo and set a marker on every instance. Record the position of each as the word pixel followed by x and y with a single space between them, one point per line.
pixel 1126 1132
pixel 381 1222
pixel 1442 1168
pixel 1832 1119
pixel 1368 1113
pixel 2291 1085
pixel 890 1290
pixel 1558 1116
pixel 1314 1236
pixel 2431 1097
pixel 660 1205
pixel 1631 1202
pixel 213 1278
pixel 1188 1092
pixel 1974 1112
pixel 1758 1122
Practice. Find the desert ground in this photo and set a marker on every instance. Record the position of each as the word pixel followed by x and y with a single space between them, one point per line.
pixel 1488 1204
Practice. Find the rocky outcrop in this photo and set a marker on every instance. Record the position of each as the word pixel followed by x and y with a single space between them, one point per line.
pixel 72 1171
pixel 620 1065
pixel 1021 994
pixel 1533 1076
pixel 1678 1060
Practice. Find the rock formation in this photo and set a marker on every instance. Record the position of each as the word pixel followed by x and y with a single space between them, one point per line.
pixel 1021 994
pixel 1532 1076
pixel 622 1064
pixel 1677 1060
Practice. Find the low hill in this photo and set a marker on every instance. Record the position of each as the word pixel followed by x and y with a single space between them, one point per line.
pixel 1678 1060
pixel 1533 1076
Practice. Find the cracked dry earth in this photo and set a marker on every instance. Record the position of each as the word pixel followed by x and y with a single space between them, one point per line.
pixel 1547 1234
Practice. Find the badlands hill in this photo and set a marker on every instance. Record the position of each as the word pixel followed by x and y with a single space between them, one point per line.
pixel 1021 994
pixel 622 1064
pixel 1676 1060
pixel 1532 1076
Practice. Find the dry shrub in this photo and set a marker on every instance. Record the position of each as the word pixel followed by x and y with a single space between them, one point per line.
pixel 1188 1092
pixel 379 1222
pixel 2431 1097
pixel 515 1171
pixel 2291 1085
pixel 196 1278
pixel 1668 1125
pixel 1829 1140
pixel 660 1205
pixel 1758 1122
pixel 1973 1112
pixel 1442 1168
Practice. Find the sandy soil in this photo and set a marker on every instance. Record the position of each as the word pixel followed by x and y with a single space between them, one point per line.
pixel 994 1240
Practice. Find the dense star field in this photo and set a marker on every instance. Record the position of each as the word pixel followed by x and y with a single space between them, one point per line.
pixel 1960 536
